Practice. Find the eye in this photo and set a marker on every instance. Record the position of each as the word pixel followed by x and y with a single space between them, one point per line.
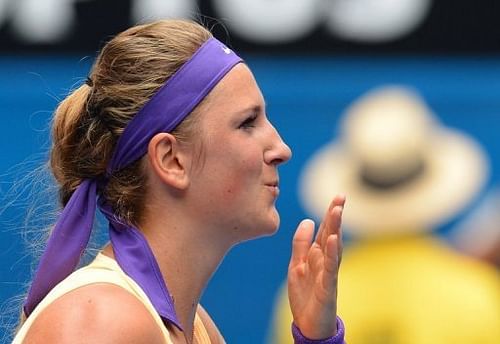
pixel 249 122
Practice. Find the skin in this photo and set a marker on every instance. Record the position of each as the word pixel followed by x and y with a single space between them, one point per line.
pixel 202 199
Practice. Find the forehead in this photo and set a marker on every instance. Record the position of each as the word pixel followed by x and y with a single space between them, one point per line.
pixel 236 92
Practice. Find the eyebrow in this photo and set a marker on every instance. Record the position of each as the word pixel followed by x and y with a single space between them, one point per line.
pixel 256 108
pixel 253 108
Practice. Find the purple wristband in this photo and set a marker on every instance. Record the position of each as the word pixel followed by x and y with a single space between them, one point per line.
pixel 337 339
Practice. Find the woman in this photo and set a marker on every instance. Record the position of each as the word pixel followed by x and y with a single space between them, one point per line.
pixel 169 138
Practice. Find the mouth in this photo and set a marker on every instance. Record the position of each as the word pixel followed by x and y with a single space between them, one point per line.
pixel 273 187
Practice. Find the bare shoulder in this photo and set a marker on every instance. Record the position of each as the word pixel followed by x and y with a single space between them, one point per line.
pixel 213 331
pixel 97 313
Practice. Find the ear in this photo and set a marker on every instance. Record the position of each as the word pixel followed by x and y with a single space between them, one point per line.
pixel 168 161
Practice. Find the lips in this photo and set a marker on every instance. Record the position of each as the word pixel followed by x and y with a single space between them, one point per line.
pixel 273 187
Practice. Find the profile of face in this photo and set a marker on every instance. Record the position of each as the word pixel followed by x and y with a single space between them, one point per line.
pixel 236 183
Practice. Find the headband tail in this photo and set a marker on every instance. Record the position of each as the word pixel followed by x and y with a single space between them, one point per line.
pixel 66 244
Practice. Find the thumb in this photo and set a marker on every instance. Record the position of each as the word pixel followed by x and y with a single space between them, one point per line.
pixel 302 241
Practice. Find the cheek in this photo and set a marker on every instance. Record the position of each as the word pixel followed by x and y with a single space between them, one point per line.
pixel 231 167
pixel 240 175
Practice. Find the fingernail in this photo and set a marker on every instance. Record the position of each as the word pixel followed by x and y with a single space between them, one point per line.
pixel 309 220
pixel 337 208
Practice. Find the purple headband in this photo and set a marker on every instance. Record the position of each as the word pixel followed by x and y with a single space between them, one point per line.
pixel 162 113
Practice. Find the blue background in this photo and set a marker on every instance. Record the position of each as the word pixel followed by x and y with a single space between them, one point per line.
pixel 305 96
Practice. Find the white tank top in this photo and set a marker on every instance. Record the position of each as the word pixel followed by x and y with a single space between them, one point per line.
pixel 106 270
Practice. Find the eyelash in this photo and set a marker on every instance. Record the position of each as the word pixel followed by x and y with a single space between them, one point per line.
pixel 249 122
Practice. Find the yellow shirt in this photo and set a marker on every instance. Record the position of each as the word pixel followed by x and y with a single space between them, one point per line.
pixel 411 290
pixel 106 270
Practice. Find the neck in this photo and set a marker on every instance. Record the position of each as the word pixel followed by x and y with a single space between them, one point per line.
pixel 187 256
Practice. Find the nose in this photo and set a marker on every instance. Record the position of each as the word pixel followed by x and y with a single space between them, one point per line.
pixel 278 151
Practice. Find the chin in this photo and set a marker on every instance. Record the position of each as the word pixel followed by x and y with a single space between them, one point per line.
pixel 276 226
pixel 271 226
pixel 263 229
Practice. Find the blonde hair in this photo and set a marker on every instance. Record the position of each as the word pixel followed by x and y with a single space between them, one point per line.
pixel 87 124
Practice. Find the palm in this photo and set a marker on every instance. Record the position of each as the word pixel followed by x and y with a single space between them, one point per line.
pixel 312 274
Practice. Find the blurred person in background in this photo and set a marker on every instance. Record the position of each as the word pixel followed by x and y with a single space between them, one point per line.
pixel 169 138
pixel 405 174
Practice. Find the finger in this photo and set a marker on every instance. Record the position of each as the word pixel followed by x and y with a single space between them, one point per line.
pixel 332 225
pixel 331 264
pixel 302 241
pixel 335 216
pixel 328 226
pixel 335 221
pixel 319 238
pixel 340 239
pixel 315 260
pixel 338 200
pixel 320 235
pixel 335 228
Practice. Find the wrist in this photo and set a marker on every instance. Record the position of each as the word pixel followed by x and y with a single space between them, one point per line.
pixel 338 338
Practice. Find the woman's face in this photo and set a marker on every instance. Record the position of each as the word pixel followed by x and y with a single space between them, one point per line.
pixel 236 184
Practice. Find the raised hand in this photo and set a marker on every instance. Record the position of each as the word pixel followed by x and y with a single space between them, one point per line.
pixel 313 272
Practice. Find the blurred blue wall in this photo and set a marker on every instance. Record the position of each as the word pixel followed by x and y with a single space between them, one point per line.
pixel 305 96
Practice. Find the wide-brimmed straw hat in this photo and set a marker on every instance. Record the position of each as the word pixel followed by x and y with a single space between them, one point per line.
pixel 399 168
